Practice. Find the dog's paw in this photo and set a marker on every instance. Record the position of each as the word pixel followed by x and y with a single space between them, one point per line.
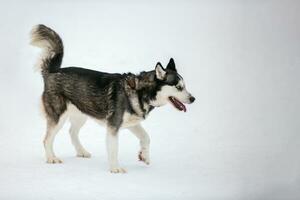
pixel 116 170
pixel 53 160
pixel 84 154
pixel 144 157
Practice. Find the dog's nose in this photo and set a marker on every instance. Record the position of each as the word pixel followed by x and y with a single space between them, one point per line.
pixel 192 99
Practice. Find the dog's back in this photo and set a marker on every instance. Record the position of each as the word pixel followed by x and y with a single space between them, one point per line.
pixel 89 90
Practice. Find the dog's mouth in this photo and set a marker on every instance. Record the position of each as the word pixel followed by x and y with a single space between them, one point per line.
pixel 177 104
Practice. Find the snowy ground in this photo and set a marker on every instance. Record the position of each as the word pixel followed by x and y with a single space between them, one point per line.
pixel 239 140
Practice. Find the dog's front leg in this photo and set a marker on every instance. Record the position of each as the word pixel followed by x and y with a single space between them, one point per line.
pixel 112 144
pixel 142 135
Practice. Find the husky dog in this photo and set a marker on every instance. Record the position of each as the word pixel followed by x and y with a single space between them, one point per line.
pixel 115 100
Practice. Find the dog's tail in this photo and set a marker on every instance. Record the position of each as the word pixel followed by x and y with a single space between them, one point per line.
pixel 52 46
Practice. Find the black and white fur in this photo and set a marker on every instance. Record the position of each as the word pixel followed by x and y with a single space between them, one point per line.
pixel 114 100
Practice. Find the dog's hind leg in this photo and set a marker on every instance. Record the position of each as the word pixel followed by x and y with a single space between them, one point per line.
pixel 77 121
pixel 55 110
pixel 142 135
pixel 52 130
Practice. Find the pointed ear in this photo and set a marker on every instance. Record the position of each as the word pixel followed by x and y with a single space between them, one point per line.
pixel 160 72
pixel 171 65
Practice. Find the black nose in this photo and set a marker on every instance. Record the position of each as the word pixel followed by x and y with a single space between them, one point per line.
pixel 192 99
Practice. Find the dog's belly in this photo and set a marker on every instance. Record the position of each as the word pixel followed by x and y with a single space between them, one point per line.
pixel 128 119
pixel 73 112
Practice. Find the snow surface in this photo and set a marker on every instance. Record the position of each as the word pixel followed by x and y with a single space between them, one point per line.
pixel 239 140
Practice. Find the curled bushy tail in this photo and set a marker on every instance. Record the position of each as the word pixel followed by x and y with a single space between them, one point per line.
pixel 52 46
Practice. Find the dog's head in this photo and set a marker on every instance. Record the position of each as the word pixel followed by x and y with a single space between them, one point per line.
pixel 171 88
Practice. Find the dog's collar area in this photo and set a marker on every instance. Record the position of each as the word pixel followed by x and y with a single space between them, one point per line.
pixel 131 81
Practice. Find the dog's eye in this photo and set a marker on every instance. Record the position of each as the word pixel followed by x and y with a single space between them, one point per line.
pixel 178 87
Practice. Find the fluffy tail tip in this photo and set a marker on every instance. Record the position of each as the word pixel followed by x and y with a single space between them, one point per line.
pixel 35 35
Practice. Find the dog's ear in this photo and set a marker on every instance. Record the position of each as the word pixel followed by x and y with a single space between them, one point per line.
pixel 171 65
pixel 160 72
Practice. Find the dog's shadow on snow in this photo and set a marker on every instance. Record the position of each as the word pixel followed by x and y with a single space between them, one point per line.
pixel 99 163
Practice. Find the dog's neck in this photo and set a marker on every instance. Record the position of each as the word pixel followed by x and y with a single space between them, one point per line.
pixel 140 90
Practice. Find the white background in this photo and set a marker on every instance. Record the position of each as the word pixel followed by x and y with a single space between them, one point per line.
pixel 239 140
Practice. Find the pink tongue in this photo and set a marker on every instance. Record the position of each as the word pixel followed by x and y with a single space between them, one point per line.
pixel 181 105
pixel 178 104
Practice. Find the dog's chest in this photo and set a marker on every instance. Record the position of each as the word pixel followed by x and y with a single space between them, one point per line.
pixel 131 120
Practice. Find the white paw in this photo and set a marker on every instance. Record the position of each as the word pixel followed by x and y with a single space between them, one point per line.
pixel 53 160
pixel 144 157
pixel 84 154
pixel 117 170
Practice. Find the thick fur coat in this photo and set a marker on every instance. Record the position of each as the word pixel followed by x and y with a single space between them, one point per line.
pixel 115 100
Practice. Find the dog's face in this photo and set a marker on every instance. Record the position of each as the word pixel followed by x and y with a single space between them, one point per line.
pixel 172 88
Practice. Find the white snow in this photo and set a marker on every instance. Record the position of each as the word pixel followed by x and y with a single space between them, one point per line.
pixel 239 140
